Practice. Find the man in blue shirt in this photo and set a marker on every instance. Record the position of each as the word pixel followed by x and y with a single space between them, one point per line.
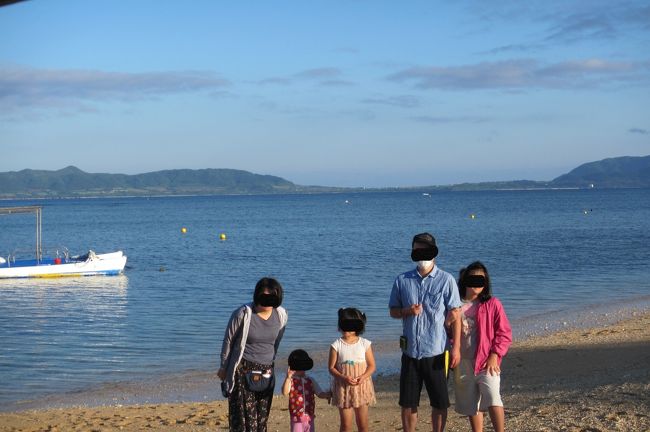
pixel 422 298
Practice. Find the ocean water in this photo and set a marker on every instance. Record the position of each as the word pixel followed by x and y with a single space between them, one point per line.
pixel 155 333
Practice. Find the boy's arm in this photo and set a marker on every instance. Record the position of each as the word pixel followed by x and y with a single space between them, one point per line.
pixel 399 312
pixel 452 305
pixel 394 303
pixel 455 331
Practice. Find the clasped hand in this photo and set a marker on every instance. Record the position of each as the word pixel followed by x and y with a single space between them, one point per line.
pixel 414 309
pixel 352 380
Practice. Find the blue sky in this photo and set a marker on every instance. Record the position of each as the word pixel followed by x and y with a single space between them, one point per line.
pixel 340 93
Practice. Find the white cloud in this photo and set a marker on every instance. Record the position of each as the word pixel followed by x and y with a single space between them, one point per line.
pixel 324 76
pixel 443 120
pixel 24 87
pixel 402 101
pixel 565 21
pixel 523 74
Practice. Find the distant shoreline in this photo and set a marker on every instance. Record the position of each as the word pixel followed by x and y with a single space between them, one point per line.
pixel 337 192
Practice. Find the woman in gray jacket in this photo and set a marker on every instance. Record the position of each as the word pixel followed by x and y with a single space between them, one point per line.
pixel 250 345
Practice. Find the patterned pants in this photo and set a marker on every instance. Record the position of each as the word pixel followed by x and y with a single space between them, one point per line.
pixel 248 411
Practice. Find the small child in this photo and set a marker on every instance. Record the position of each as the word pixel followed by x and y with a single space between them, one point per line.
pixel 352 364
pixel 485 338
pixel 301 389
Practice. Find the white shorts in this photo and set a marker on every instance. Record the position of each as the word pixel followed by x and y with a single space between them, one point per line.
pixel 475 393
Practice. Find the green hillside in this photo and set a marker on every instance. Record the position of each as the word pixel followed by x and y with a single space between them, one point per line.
pixel 72 181
pixel 621 172
pixel 617 172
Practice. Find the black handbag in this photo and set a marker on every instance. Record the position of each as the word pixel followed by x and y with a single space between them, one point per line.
pixel 259 381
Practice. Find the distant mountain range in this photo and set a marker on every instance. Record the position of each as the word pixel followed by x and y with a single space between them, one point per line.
pixel 621 172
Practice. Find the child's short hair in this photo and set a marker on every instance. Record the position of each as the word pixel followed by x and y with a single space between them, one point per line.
pixel 352 319
pixel 486 294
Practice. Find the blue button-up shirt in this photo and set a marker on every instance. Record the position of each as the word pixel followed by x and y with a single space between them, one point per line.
pixel 437 292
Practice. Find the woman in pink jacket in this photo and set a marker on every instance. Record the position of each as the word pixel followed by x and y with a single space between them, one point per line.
pixel 485 338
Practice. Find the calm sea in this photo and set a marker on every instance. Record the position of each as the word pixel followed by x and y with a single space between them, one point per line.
pixel 155 333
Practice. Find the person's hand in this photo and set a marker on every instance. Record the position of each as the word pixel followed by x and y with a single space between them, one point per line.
pixel 454 357
pixel 289 373
pixel 325 395
pixel 351 381
pixel 414 309
pixel 492 365
pixel 221 373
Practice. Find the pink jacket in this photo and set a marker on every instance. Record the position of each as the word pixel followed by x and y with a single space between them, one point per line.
pixel 494 334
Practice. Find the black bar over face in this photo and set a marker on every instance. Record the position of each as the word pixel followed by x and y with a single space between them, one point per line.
pixel 424 254
pixel 351 325
pixel 474 281
pixel 266 300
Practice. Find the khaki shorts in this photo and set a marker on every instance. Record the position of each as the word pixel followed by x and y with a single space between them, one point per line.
pixel 475 393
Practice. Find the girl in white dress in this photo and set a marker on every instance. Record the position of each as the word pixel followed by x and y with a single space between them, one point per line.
pixel 351 364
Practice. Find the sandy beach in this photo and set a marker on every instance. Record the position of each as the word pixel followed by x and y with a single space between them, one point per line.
pixel 583 380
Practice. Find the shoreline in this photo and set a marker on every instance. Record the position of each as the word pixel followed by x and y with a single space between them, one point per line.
pixel 336 190
pixel 200 385
pixel 582 379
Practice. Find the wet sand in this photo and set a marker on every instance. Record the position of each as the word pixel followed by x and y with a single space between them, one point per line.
pixel 583 380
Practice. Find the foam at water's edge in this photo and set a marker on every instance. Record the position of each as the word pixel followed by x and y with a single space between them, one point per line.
pixel 587 316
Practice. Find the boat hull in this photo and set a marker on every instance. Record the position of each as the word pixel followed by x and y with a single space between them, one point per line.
pixel 100 264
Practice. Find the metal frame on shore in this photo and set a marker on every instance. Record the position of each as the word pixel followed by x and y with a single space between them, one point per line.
pixel 39 221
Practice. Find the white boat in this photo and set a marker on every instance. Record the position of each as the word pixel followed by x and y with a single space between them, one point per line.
pixel 59 265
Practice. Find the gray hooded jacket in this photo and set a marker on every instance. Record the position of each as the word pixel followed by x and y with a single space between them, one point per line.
pixel 235 336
